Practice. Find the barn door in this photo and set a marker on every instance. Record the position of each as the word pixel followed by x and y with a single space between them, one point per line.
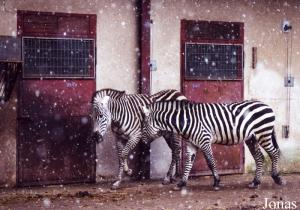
pixel 212 71
pixel 58 52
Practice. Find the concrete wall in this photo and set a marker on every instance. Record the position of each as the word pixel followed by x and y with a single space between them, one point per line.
pixel 262 21
pixel 8 116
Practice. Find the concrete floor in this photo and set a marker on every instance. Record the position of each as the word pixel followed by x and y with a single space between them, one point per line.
pixel 234 194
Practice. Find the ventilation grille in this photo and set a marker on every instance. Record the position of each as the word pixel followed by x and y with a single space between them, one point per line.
pixel 213 61
pixel 58 58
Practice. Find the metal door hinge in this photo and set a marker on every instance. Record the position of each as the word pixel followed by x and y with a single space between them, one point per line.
pixel 285 131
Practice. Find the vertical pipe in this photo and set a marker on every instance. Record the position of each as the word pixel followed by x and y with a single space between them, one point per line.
pixel 145 33
pixel 289 86
pixel 289 47
pixel 145 78
pixel 254 57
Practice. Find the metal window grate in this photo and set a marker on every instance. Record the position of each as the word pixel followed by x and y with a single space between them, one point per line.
pixel 213 61
pixel 58 58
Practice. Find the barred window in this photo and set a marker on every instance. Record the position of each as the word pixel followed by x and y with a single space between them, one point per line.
pixel 58 57
pixel 213 61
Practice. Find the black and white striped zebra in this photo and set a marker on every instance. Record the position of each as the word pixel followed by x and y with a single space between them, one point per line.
pixel 124 113
pixel 213 123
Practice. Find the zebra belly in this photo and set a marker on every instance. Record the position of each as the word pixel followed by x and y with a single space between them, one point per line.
pixel 226 138
pixel 120 132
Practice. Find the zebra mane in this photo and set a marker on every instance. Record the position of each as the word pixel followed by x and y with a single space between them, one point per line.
pixel 167 95
pixel 115 94
pixel 181 102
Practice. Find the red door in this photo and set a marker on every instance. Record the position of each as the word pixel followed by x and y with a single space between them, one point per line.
pixel 58 52
pixel 212 71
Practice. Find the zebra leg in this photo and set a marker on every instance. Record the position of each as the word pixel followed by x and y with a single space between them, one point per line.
pixel 175 145
pixel 130 145
pixel 271 147
pixel 117 183
pixel 127 170
pixel 177 150
pixel 190 157
pixel 208 154
pixel 259 159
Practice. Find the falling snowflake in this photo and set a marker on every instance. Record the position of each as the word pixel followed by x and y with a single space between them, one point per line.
pixel 183 192
pixel 37 93
pixel 13 33
pixel 206 60
pixel 113 5
pixel 46 202
pixel 84 120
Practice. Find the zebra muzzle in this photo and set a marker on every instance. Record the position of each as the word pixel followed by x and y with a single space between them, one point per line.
pixel 97 137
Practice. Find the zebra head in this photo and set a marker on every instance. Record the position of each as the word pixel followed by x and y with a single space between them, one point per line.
pixel 101 117
pixel 150 129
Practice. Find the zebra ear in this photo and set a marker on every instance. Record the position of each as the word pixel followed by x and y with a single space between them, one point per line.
pixel 146 111
pixel 104 101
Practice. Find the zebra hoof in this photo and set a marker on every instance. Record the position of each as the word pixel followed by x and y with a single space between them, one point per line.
pixel 216 185
pixel 278 180
pixel 129 172
pixel 169 180
pixel 176 188
pixel 254 185
pixel 216 188
pixel 180 185
pixel 173 180
pixel 166 181
pixel 115 185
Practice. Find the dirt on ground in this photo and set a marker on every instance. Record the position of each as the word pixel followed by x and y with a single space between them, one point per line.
pixel 199 194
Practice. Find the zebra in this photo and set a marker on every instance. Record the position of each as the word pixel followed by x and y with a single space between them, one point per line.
pixel 215 123
pixel 123 113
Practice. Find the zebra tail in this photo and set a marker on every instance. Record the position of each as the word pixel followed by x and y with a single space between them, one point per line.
pixel 274 141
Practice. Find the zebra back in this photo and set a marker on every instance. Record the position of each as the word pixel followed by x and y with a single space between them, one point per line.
pixel 115 94
pixel 164 95
pixel 229 124
pixel 167 95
